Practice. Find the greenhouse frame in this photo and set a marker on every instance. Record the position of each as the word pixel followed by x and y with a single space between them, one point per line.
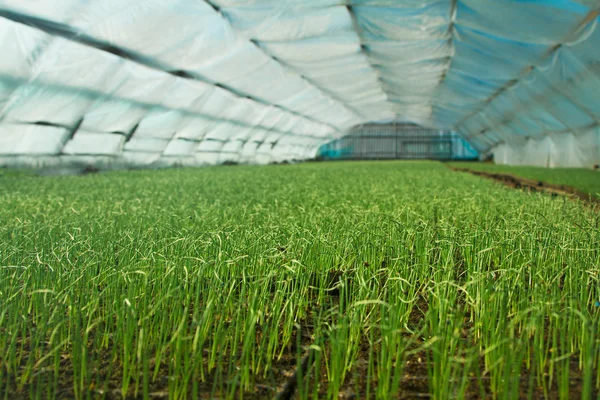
pixel 300 199
pixel 202 82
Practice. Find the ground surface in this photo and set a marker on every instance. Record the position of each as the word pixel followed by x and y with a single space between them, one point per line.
pixel 585 180
pixel 381 280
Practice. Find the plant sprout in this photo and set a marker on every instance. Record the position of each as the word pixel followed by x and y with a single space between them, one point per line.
pixel 362 280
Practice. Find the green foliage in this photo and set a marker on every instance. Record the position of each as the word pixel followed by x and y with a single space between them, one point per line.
pixel 584 180
pixel 196 283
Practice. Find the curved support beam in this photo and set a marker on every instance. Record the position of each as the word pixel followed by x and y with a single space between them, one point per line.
pixel 75 35
pixel 575 33
pixel 293 70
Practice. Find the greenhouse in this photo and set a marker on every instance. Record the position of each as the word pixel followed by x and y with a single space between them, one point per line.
pixel 300 199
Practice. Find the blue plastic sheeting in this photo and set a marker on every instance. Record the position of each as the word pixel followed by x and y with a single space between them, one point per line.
pixel 155 82
pixel 535 66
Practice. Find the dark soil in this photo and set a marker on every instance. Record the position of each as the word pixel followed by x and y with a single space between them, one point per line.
pixel 283 378
pixel 536 186
pixel 299 365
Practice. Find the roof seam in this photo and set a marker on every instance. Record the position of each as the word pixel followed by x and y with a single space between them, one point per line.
pixel 453 10
pixel 556 132
pixel 527 70
pixel 535 100
pixel 154 106
pixel 67 32
pixel 526 106
pixel 71 134
pixel 36 54
pixel 363 48
pixel 329 93
pixel 311 137
pixel 256 43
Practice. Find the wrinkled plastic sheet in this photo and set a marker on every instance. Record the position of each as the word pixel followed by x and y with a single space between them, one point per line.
pixel 554 150
pixel 265 80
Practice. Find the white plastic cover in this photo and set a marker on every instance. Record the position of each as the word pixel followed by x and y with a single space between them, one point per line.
pixel 207 81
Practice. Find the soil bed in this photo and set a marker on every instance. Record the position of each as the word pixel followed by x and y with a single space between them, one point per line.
pixel 535 186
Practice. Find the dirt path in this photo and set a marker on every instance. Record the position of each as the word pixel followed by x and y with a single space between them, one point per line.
pixel 536 186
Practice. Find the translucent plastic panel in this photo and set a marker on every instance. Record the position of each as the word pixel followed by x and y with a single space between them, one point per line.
pixel 56 10
pixel 153 81
pixel 193 127
pixel 297 5
pixel 233 146
pixel 244 112
pixel 307 102
pixel 407 4
pixel 555 150
pixel 404 23
pixel 209 146
pixel 186 94
pixel 248 151
pixel 485 65
pixel 17 139
pixel 105 115
pixel 227 66
pixel 271 75
pixel 515 51
pixel 19 43
pixel 222 132
pixel 567 151
pixel 574 75
pixel 95 144
pixel 67 65
pixel 315 49
pixel 281 21
pixel 148 145
pixel 467 89
pixel 180 147
pixel 563 109
pixel 159 124
pixel 40 103
pixel 408 50
pixel 137 83
pixel 547 22
pixel 66 78
pixel 192 34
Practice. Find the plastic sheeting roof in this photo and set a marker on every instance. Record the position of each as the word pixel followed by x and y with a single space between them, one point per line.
pixel 144 81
